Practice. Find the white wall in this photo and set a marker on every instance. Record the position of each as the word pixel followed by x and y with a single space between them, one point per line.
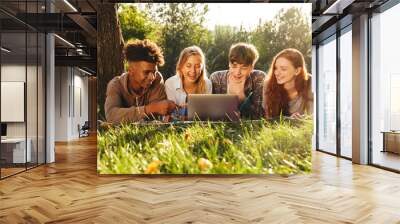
pixel 80 100
pixel 70 83
pixel 34 125
pixel 12 73
pixel 61 103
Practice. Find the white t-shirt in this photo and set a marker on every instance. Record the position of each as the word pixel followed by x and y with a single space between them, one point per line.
pixel 175 91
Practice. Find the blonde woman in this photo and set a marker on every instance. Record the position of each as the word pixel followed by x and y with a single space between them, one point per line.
pixel 190 77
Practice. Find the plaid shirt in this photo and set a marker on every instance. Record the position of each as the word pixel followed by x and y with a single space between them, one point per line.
pixel 253 84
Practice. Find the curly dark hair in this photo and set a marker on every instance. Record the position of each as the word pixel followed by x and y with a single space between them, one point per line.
pixel 143 50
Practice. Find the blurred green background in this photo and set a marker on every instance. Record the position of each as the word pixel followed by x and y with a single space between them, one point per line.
pixel 175 26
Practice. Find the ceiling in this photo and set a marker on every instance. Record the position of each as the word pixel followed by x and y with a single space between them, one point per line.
pixel 74 21
pixel 330 15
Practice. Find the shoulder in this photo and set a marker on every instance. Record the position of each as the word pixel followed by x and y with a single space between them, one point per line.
pixel 118 78
pixel 258 78
pixel 208 82
pixel 208 85
pixel 172 81
pixel 218 74
pixel 309 80
pixel 258 74
pixel 158 81
pixel 310 92
pixel 117 81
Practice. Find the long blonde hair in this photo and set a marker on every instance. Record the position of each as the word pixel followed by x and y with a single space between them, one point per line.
pixel 184 55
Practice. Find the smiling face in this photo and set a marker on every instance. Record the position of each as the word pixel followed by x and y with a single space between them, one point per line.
pixel 284 71
pixel 191 68
pixel 239 72
pixel 141 74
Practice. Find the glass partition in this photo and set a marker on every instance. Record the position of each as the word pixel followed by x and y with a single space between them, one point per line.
pixel 327 95
pixel 385 89
pixel 14 153
pixel 22 88
pixel 346 92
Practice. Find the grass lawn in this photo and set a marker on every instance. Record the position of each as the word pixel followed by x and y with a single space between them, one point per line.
pixel 247 147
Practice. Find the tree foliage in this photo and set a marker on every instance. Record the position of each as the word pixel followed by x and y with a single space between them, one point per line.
pixel 292 30
pixel 223 38
pixel 175 26
pixel 136 24
pixel 182 26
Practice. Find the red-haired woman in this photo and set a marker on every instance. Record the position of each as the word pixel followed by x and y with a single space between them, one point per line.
pixel 287 88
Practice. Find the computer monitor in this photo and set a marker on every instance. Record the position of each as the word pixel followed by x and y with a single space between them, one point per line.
pixel 3 129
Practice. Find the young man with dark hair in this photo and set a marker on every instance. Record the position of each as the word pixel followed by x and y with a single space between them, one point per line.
pixel 242 80
pixel 139 93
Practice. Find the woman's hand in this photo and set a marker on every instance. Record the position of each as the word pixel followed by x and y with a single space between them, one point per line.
pixel 166 118
pixel 296 115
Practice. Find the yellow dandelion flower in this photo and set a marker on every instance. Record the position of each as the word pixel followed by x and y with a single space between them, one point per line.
pixel 188 136
pixel 204 164
pixel 153 167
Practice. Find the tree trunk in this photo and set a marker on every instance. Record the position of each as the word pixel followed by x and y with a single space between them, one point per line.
pixel 110 43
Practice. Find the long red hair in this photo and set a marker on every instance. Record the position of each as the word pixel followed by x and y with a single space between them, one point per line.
pixel 275 96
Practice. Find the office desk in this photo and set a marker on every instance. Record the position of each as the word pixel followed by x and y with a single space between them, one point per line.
pixel 13 150
pixel 391 141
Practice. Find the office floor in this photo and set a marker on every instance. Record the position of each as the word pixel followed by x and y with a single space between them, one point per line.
pixel 70 191
pixel 10 170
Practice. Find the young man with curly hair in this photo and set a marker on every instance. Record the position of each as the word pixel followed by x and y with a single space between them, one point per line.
pixel 139 93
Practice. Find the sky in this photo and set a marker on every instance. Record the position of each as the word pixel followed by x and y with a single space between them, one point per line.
pixel 246 14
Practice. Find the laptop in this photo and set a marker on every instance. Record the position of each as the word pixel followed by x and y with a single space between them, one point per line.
pixel 214 107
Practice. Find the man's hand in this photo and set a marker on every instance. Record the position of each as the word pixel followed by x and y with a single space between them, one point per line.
pixel 162 107
pixel 236 83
